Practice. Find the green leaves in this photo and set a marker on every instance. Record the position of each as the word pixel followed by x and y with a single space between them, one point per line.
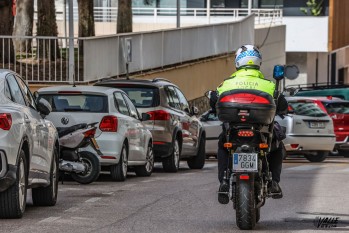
pixel 314 6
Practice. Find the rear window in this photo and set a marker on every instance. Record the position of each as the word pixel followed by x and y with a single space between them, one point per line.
pixel 337 107
pixel 77 103
pixel 142 97
pixel 306 109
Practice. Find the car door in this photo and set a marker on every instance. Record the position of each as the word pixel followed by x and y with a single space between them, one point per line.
pixel 213 128
pixel 42 153
pixel 138 134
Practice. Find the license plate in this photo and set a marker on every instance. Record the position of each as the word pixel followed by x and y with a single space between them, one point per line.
pixel 317 124
pixel 245 162
pixel 95 144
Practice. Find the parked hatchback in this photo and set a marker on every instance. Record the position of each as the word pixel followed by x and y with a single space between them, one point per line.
pixel 28 148
pixel 310 130
pixel 123 139
pixel 177 132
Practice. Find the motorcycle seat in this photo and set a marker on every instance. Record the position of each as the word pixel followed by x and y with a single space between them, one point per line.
pixel 62 131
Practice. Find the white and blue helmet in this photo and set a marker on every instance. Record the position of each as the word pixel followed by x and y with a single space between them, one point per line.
pixel 248 55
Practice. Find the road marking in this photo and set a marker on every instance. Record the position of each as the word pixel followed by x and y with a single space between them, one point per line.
pixel 128 185
pixel 210 165
pixel 344 170
pixel 49 219
pixel 110 193
pixel 72 209
pixel 93 199
pixel 305 167
pixel 147 181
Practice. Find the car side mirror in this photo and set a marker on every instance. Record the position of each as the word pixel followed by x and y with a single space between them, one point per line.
pixel 145 117
pixel 194 110
pixel 43 107
pixel 36 95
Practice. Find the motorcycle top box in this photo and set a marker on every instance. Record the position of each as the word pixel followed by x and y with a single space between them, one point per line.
pixel 246 106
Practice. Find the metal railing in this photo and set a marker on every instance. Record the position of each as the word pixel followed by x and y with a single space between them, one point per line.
pixel 109 14
pixel 45 59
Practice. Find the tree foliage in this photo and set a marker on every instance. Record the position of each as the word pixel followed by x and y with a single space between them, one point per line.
pixel 314 6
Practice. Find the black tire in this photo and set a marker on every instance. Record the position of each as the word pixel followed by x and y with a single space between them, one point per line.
pixel 344 153
pixel 258 214
pixel 171 163
pixel 118 171
pixel 47 196
pixel 198 162
pixel 146 169
pixel 245 204
pixel 94 168
pixel 13 200
pixel 318 157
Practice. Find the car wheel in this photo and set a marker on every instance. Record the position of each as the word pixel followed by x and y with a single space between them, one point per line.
pixel 318 157
pixel 171 163
pixel 118 171
pixel 13 200
pixel 147 168
pixel 198 161
pixel 47 196
pixel 93 168
pixel 344 153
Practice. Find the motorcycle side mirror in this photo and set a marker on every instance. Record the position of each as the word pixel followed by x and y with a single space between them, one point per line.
pixel 145 117
pixel 44 107
pixel 279 72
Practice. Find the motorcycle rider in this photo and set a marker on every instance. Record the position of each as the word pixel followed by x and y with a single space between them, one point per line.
pixel 248 60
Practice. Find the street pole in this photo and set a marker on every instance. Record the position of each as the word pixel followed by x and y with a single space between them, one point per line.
pixel 178 14
pixel 208 11
pixel 71 43
pixel 65 23
pixel 249 7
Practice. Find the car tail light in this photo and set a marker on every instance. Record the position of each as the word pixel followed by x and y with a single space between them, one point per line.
pixel 294 146
pixel 245 98
pixel 109 124
pixel 91 133
pixel 5 121
pixel 245 133
pixel 159 115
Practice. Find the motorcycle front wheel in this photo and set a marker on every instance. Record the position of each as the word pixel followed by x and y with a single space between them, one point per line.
pixel 93 168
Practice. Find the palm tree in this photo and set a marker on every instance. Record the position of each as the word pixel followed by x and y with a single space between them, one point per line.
pixel 86 20
pixel 6 28
pixel 124 21
pixel 24 24
pixel 47 26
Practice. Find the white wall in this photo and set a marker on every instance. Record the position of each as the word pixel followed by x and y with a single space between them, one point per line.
pixel 273 50
pixel 306 34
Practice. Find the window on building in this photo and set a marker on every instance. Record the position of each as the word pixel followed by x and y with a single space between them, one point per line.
pixel 263 3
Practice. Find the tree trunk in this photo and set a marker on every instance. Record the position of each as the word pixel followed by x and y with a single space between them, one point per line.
pixel 6 28
pixel 47 26
pixel 24 25
pixel 86 21
pixel 124 22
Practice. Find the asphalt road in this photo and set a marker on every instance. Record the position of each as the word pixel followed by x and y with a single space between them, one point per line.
pixel 187 202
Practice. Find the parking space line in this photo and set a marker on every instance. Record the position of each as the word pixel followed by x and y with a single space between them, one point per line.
pixel 72 209
pixel 110 193
pixel 49 219
pixel 94 199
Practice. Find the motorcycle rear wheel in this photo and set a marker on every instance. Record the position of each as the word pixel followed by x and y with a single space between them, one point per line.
pixel 94 168
pixel 245 203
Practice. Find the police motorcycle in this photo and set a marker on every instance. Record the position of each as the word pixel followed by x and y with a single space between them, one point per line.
pixel 83 166
pixel 248 117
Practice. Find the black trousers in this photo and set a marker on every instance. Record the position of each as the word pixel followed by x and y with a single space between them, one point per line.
pixel 275 159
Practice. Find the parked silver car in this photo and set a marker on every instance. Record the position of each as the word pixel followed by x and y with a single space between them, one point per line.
pixel 309 130
pixel 122 137
pixel 28 148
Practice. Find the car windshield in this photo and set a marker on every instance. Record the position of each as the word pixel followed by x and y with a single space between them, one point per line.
pixel 340 107
pixel 306 109
pixel 142 97
pixel 77 103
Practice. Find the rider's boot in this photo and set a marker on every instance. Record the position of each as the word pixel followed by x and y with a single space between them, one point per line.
pixel 223 193
pixel 275 190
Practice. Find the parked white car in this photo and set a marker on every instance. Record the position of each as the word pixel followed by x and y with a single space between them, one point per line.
pixel 123 139
pixel 28 148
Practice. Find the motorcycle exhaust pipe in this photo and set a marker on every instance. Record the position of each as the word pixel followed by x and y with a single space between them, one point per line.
pixel 69 166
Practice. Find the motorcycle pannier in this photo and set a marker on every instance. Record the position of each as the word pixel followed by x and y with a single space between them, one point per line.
pixel 246 106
